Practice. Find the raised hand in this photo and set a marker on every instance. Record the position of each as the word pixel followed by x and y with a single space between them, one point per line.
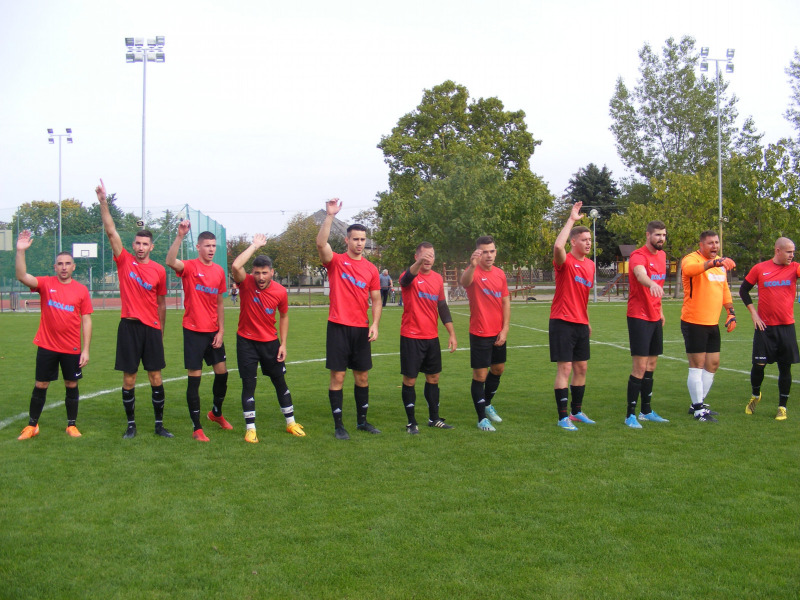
pixel 184 227
pixel 24 240
pixel 100 190
pixel 575 214
pixel 259 240
pixel 333 206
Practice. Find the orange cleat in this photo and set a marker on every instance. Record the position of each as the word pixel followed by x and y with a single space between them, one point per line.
pixel 200 436
pixel 250 436
pixel 72 431
pixel 29 432
pixel 220 419
pixel 295 429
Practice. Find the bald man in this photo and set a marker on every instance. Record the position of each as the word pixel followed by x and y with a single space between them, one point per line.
pixel 774 338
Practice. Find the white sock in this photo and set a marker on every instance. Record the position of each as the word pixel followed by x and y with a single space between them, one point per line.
pixel 708 380
pixel 695 385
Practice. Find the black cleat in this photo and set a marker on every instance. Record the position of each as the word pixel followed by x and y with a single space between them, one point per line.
pixel 130 432
pixel 367 427
pixel 706 407
pixel 163 431
pixel 412 429
pixel 341 434
pixel 439 423
pixel 705 416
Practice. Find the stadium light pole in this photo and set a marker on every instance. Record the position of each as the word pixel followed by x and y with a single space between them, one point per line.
pixel 593 214
pixel 51 140
pixel 728 60
pixel 137 51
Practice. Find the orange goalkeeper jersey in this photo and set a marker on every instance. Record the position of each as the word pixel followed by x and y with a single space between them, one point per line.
pixel 704 292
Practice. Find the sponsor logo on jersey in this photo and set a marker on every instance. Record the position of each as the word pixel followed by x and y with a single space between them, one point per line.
pixel 716 277
pixel 777 283
pixel 582 281
pixel 206 289
pixel 658 277
pixel 59 306
pixel 269 311
pixel 489 292
pixel 140 281
pixel 426 296
pixel 354 281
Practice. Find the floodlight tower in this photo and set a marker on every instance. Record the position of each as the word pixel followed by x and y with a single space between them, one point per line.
pixel 51 140
pixel 728 60
pixel 138 52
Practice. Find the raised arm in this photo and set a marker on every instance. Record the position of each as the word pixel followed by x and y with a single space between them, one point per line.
pixel 24 242
pixel 172 253
pixel 332 208
pixel 108 222
pixel 560 246
pixel 237 267
pixel 469 273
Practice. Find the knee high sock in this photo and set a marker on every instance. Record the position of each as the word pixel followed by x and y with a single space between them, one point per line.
pixel 337 400
pixel 219 389
pixel 38 398
pixel 284 397
pixel 193 400
pixel 757 378
pixel 490 389
pixel 478 391
pixel 634 389
pixel 708 381
pixel 432 398
pixel 561 402
pixel 784 382
pixel 647 392
pixel 695 385
pixel 158 403
pixel 362 403
pixel 409 395
pixel 577 398
pixel 71 402
pixel 249 402
pixel 129 402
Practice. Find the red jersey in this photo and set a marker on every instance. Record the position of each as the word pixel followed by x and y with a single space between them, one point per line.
pixel 202 286
pixel 257 315
pixel 485 294
pixel 63 304
pixel 641 304
pixel 421 306
pixel 351 283
pixel 574 279
pixel 777 289
pixel 140 284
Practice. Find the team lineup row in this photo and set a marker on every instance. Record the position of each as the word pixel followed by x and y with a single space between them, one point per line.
pixel 65 329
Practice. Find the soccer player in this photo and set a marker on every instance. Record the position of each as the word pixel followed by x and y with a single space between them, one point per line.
pixel 774 338
pixel 354 283
pixel 705 292
pixel 257 341
pixel 569 328
pixel 386 285
pixel 203 324
pixel 489 320
pixel 423 292
pixel 66 310
pixel 647 270
pixel 140 335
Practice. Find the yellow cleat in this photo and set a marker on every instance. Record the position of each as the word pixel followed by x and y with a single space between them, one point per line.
pixel 295 429
pixel 29 432
pixel 72 431
pixel 250 436
pixel 751 406
pixel 781 416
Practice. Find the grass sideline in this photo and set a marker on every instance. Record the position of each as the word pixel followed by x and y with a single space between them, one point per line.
pixel 676 510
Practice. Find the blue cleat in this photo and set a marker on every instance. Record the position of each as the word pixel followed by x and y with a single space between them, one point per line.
pixel 492 414
pixel 582 418
pixel 631 422
pixel 485 425
pixel 652 416
pixel 565 423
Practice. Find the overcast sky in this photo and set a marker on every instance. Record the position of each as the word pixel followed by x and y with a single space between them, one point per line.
pixel 263 109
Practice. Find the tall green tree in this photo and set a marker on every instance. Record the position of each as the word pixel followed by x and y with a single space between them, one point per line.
pixel 458 169
pixel 296 248
pixel 793 112
pixel 597 189
pixel 668 123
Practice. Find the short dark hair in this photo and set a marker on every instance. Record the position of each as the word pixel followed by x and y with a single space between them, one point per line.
pixel 262 260
pixel 356 227
pixel 655 226
pixel 144 233
pixel 65 253
pixel 424 245
pixel 576 231
pixel 484 240
pixel 206 235
pixel 707 234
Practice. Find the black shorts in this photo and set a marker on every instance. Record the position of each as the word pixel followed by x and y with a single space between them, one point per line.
pixel 700 338
pixel 777 343
pixel 569 342
pixel 138 342
pixel 483 353
pixel 197 348
pixel 646 337
pixel 250 353
pixel 347 348
pixel 420 355
pixel 48 362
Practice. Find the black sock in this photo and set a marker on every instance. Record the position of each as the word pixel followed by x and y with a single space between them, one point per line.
pixel 634 389
pixel 284 395
pixel 193 400
pixel 409 394
pixel 432 398
pixel 784 383
pixel 337 401
pixel 38 398
pixel 647 392
pixel 478 390
pixel 158 404
pixel 490 388
pixel 71 402
pixel 561 402
pixel 129 402
pixel 219 389
pixel 577 398
pixel 248 400
pixel 756 378
pixel 362 403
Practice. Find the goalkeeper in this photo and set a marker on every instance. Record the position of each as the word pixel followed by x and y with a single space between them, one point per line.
pixel 705 292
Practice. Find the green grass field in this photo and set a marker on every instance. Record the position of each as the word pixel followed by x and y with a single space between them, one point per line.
pixel 676 510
